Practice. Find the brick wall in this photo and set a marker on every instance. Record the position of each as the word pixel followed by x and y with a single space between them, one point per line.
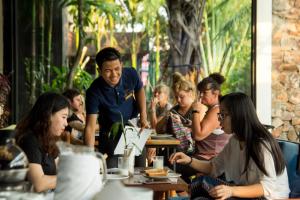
pixel 286 69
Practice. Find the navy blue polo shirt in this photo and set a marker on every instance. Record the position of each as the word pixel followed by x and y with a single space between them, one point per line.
pixel 109 101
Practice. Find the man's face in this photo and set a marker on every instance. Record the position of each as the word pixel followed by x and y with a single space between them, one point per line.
pixel 111 72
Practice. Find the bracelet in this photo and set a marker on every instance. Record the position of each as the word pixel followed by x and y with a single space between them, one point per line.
pixel 190 161
pixel 152 111
pixel 195 111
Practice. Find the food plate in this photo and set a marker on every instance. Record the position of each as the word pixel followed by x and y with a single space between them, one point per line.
pixel 159 136
pixel 170 175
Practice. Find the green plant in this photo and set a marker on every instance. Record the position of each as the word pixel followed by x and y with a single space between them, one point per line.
pixel 226 42
pixel 59 82
pixel 81 81
pixel 117 128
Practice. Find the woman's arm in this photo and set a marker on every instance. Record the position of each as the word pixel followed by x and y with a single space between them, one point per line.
pixel 39 180
pixel 199 165
pixel 76 124
pixel 204 124
pixel 153 118
pixel 250 191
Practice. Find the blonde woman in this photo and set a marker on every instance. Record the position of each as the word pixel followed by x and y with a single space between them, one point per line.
pixel 159 107
pixel 160 104
pixel 178 120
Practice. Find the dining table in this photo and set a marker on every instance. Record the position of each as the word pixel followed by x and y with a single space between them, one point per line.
pixel 168 142
pixel 161 187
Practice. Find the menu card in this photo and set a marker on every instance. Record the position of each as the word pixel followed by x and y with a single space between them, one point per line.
pixel 133 138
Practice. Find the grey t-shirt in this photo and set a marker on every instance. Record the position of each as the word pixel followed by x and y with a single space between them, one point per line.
pixel 231 161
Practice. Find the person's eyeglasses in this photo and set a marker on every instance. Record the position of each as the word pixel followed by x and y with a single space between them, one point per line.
pixel 221 116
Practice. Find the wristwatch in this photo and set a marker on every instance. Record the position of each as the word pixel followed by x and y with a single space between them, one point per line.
pixel 195 111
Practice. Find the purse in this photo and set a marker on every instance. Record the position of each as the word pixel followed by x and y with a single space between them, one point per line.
pixel 184 134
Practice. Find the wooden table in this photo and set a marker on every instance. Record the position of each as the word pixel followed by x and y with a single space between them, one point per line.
pixel 163 143
pixel 167 142
pixel 160 188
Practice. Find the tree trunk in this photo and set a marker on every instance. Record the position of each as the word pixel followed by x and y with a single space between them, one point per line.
pixel 185 29
pixel 49 39
pixel 41 44
pixel 80 46
pixel 32 63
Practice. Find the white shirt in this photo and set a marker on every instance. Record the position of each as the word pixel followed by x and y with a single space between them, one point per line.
pixel 231 161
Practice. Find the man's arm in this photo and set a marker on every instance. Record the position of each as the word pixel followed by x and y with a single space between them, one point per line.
pixel 141 100
pixel 90 129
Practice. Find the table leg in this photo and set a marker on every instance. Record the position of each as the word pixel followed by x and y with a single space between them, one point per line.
pixel 168 152
pixel 174 165
pixel 158 195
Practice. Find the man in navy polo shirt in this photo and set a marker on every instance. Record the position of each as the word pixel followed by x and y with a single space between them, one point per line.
pixel 117 90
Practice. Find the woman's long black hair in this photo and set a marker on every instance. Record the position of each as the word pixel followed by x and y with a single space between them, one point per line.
pixel 38 120
pixel 247 128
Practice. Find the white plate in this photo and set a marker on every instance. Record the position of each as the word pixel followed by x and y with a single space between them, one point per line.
pixel 159 136
pixel 116 176
pixel 170 175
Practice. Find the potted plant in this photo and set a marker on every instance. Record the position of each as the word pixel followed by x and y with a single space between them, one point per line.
pixel 130 147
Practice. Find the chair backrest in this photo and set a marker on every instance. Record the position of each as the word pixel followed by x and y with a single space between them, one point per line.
pixel 290 152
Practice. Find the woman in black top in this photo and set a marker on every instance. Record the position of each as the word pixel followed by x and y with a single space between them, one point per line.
pixel 37 134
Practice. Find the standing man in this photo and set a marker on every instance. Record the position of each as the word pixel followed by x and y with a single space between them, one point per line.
pixel 117 90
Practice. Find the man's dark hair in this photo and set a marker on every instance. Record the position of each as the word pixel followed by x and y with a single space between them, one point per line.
pixel 107 54
pixel 71 93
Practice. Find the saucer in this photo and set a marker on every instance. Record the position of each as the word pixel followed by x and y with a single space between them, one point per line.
pixel 116 176
pixel 170 175
pixel 159 136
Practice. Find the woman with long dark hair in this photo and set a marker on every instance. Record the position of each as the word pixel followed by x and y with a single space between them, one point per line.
pixel 37 134
pixel 251 163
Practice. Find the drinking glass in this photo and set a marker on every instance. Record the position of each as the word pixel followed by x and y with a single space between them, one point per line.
pixel 158 162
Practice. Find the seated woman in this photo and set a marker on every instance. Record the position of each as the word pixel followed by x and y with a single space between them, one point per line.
pixel 178 120
pixel 37 134
pixel 76 122
pixel 159 107
pixel 210 139
pixel 252 162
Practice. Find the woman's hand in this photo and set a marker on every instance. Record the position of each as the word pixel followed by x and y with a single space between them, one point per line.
pixel 175 117
pixel 179 157
pixel 188 123
pixel 151 153
pixel 198 106
pixel 221 192
pixel 153 103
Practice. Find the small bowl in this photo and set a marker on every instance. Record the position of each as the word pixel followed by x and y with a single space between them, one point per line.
pixel 13 175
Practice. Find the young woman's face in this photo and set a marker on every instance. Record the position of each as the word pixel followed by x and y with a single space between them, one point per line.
pixel 76 103
pixel 209 97
pixel 58 122
pixel 183 98
pixel 225 120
